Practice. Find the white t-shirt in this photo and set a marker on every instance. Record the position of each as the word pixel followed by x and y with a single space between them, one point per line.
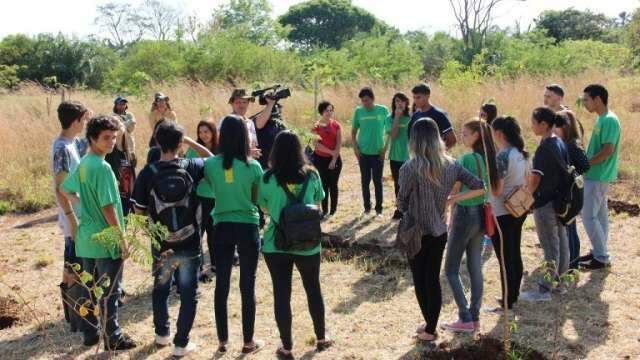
pixel 513 169
pixel 65 157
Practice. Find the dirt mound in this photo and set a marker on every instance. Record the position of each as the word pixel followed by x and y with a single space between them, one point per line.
pixel 622 206
pixel 9 312
pixel 482 349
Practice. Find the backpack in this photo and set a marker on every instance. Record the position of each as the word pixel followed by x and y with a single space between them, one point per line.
pixel 570 199
pixel 172 201
pixel 299 225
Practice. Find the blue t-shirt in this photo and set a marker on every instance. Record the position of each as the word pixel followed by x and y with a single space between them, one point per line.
pixel 438 115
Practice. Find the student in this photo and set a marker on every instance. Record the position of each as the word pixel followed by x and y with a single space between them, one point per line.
pixel 207 137
pixel 154 152
pixel 289 168
pixel 123 168
pixel 66 152
pixel 468 228
pixel 553 97
pixel 367 135
pixel 396 126
pixel 488 112
pixel 568 131
pixel 161 109
pixel 603 152
pixel 425 182
pixel 512 167
pixel 234 179
pixel 94 182
pixel 327 155
pixel 548 178
pixel 423 108
pixel 179 254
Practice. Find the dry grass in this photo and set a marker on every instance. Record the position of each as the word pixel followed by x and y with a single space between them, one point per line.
pixel 370 308
pixel 29 121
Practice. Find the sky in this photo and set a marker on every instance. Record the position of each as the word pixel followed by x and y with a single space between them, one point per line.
pixel 76 17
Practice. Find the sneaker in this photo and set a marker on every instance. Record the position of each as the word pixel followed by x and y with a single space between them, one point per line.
pixel 365 213
pixel 163 340
pixel 124 343
pixel 397 215
pixel 180 351
pixel 378 214
pixel 205 278
pixel 253 348
pixel 594 265
pixel 458 326
pixel 535 296
pixel 91 341
pixel 585 258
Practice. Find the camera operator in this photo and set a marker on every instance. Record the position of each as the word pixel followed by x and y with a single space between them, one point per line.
pixel 268 125
pixel 239 102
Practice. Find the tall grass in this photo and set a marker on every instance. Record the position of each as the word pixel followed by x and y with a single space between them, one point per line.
pixel 29 122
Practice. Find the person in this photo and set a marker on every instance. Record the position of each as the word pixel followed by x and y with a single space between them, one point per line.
pixel 512 168
pixel 289 168
pixel 547 181
pixel 95 184
pixel 603 152
pixel 553 97
pixel 154 152
pixel 234 179
pixel 367 135
pixel 488 112
pixel 424 108
pixel 122 165
pixel 239 102
pixel 326 155
pixel 569 132
pixel 66 151
pixel 180 255
pixel 267 127
pixel 468 228
pixel 122 113
pixel 207 137
pixel 426 181
pixel 396 126
pixel 160 109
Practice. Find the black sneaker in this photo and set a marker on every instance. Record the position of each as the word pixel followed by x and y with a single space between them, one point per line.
pixel 124 343
pixel 594 265
pixel 91 341
pixel 397 215
pixel 585 258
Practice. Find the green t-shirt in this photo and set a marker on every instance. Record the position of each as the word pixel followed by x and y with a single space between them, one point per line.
pixel 605 131
pixel 203 189
pixel 233 190
pixel 399 147
pixel 370 124
pixel 273 198
pixel 468 161
pixel 96 185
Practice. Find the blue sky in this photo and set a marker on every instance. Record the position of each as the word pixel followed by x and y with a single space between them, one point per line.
pixel 76 16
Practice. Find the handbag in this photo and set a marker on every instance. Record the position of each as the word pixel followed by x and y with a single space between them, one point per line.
pixel 519 201
pixel 488 218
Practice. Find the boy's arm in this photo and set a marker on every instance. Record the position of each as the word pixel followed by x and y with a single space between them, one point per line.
pixel 199 149
pixel 66 202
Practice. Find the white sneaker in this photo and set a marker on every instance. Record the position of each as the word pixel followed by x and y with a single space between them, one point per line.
pixel 179 351
pixel 535 296
pixel 163 340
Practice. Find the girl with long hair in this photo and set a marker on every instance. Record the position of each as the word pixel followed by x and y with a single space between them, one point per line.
pixel 426 181
pixel 326 157
pixel 397 128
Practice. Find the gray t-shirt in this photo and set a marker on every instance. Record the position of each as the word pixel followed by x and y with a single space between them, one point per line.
pixel 65 157
pixel 513 169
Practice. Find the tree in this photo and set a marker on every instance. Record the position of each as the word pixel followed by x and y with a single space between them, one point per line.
pixel 632 36
pixel 326 23
pixel 474 21
pixel 251 17
pixel 435 50
pixel 121 23
pixel 572 24
pixel 160 19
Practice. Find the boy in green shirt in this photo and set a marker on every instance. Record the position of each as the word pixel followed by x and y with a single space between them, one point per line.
pixel 367 136
pixel 603 151
pixel 96 186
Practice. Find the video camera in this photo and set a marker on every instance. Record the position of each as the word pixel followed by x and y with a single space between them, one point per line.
pixel 275 92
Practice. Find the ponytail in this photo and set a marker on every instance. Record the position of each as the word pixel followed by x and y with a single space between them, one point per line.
pixel 486 147
pixel 546 115
pixel 509 126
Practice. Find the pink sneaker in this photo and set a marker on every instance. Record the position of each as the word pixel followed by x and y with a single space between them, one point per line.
pixel 459 326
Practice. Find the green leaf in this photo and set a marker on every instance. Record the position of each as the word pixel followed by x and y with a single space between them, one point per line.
pixel 85 277
pixel 106 282
pixel 76 267
pixel 98 292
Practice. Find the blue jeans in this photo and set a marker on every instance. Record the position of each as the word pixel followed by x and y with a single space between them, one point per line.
pixel 371 167
pixel 70 251
pixel 466 237
pixel 188 262
pixel 101 269
pixel 595 216
pixel 574 245
pixel 246 237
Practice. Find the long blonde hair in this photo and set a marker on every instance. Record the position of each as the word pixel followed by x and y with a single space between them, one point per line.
pixel 428 150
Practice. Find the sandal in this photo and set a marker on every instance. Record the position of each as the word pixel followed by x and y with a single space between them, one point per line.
pixel 421 328
pixel 254 348
pixel 322 345
pixel 432 337
pixel 282 354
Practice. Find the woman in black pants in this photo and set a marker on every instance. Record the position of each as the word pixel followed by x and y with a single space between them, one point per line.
pixel 512 165
pixel 290 173
pixel 426 181
pixel 326 157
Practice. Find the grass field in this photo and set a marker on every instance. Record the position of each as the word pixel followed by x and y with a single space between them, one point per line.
pixel 370 304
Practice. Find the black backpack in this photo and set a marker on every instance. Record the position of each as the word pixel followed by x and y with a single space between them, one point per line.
pixel 299 225
pixel 570 199
pixel 172 201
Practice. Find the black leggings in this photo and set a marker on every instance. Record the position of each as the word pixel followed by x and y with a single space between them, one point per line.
pixel 329 179
pixel 512 233
pixel 207 227
pixel 425 267
pixel 281 268
pixel 395 174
